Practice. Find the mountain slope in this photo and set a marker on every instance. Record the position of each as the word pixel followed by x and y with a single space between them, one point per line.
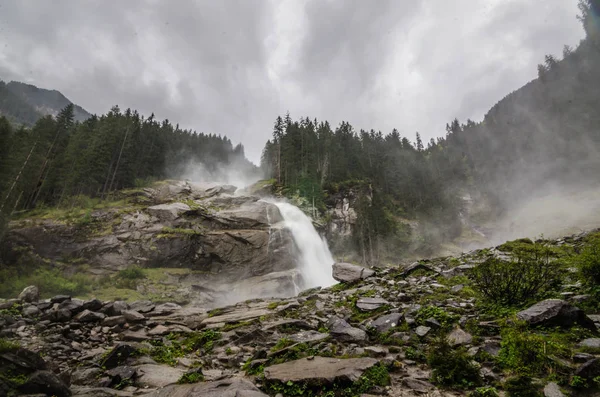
pixel 25 103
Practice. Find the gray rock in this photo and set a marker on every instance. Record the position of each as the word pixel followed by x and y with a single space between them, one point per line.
pixel 135 336
pixel 370 304
pixel 47 383
pixel 132 316
pixel 85 376
pixel 93 305
pixel 593 343
pixel 459 337
pixel 552 390
pixel 418 385
pixel 385 323
pixel 320 371
pixel 232 387
pixel 422 330
pixel 115 320
pixel 344 332
pixel 433 323
pixel 349 273
pixel 164 309
pixel 60 298
pixel 31 311
pixel 73 305
pixel 242 314
pixel 87 316
pixel 121 374
pixel 30 294
pixel 308 336
pixel 168 212
pixel 555 312
pixel 152 375
pixel 407 270
pixel 115 308
pixel 589 369
pixel 118 355
pixel 142 306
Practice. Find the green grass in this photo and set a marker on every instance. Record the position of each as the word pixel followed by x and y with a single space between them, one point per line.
pixel 7 345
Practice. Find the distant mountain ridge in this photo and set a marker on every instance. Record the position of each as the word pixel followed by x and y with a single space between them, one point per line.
pixel 25 103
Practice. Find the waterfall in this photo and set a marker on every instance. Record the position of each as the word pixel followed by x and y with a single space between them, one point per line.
pixel 315 259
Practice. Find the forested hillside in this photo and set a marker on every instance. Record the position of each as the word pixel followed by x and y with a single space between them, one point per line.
pixel 24 104
pixel 60 158
pixel 547 133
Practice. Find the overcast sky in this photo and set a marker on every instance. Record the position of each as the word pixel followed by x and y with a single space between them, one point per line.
pixel 230 67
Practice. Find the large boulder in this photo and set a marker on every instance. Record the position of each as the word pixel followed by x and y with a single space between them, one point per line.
pixel 168 212
pixel 30 294
pixel 350 273
pixel 320 371
pixel 385 323
pixel 555 312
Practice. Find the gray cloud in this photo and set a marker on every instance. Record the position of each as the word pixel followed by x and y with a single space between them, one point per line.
pixel 231 67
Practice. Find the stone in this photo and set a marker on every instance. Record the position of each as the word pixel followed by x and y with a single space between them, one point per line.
pixel 152 375
pixel 60 298
pixel 73 305
pixel 31 311
pixel 164 309
pixel 433 323
pixel 308 336
pixel 133 316
pixel 231 387
pixel 115 320
pixel 590 369
pixel 422 330
pixel 121 374
pixel 159 330
pixel 118 355
pixel 407 270
pixel 135 336
pixel 593 343
pixel 552 390
pixel 142 306
pixel 376 351
pixel 349 273
pixel 555 312
pixel 114 308
pixel 168 212
pixel 370 304
pixel 47 383
pixel 30 294
pixel 243 314
pixel 320 370
pixel 88 316
pixel 344 332
pixel 418 385
pixel 459 337
pixel 85 376
pixel 385 323
pixel 582 357
pixel 93 305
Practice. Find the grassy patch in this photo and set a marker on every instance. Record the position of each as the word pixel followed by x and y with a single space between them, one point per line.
pixel 170 232
pixel 191 377
pixel 49 281
pixel 452 367
pixel 7 345
pixel 445 318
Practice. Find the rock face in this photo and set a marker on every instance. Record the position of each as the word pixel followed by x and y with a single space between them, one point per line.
pixel 349 273
pixel 180 225
pixel 555 312
pixel 320 370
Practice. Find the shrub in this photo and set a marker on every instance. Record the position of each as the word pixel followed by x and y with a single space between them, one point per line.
pixel 484 392
pixel 128 278
pixel 443 317
pixel 589 261
pixel 452 367
pixel 529 274
pixel 521 386
pixel 191 377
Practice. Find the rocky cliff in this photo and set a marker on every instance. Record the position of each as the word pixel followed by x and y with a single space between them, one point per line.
pixel 417 330
pixel 231 246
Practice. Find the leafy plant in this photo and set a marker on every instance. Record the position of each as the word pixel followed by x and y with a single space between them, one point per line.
pixel 589 261
pixel 529 274
pixel 485 391
pixel 191 377
pixel 452 367
pixel 521 386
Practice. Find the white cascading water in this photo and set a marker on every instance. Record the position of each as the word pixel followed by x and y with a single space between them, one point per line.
pixel 315 259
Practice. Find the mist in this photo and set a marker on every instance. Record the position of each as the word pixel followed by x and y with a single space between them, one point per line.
pixel 239 172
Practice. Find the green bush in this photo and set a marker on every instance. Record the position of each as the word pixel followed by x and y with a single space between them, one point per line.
pixel 191 377
pixel 589 262
pixel 442 316
pixel 484 392
pixel 128 278
pixel 50 282
pixel 521 386
pixel 452 367
pixel 529 275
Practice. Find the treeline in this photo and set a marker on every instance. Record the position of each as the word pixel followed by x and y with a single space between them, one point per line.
pixel 58 157
pixel 546 133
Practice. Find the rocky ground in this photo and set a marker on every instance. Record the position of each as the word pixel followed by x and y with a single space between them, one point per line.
pixel 377 332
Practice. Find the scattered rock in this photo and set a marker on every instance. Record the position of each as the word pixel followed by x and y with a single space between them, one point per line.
pixel 556 312
pixel 88 316
pixel 168 212
pixel 232 387
pixel 118 355
pixel 344 332
pixel 152 375
pixel 30 294
pixel 385 323
pixel 370 304
pixel 459 337
pixel 418 385
pixel 320 370
pixel 552 390
pixel 349 273
pixel 407 270
pixel 422 330
pixel 45 382
pixel 133 316
pixel 593 343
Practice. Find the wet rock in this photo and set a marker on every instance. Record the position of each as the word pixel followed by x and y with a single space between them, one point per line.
pixel 47 383
pixel 349 273
pixel 168 212
pixel 30 294
pixel 385 323
pixel 555 312
pixel 459 337
pixel 320 370
pixel 232 387
pixel 344 332
pixel 370 304
pixel 88 316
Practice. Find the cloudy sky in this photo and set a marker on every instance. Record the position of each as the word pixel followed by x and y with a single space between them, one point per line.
pixel 232 66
